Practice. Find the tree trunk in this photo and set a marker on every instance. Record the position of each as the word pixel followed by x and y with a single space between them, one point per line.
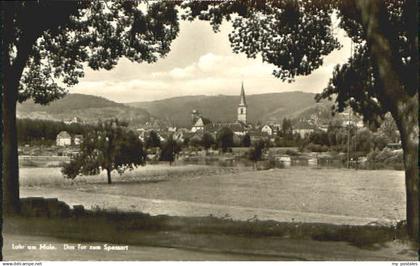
pixel 396 97
pixel 407 122
pixel 412 188
pixel 10 155
pixel 108 174
pixel 11 74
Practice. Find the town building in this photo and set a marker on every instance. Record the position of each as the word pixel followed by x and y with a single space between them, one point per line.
pixel 78 139
pixel 63 139
pixel 201 124
pixel 303 132
pixel 242 107
pixel 181 134
pixel 267 130
pixel 75 120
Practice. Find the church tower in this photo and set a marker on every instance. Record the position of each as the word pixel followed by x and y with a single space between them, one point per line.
pixel 242 107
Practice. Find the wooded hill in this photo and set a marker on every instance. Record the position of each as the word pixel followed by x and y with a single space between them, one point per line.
pixel 87 107
pixel 261 107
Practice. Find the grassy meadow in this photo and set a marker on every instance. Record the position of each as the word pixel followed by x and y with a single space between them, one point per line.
pixel 297 213
pixel 339 196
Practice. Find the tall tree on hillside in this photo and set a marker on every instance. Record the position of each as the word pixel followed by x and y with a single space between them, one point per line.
pixel 110 146
pixel 44 42
pixel 381 77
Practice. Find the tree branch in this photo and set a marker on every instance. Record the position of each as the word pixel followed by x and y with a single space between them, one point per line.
pixel 379 38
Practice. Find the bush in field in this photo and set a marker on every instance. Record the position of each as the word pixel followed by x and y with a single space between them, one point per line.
pixel 195 143
pixel 169 150
pixel 284 142
pixel 110 146
pixel 256 152
pixel 363 140
pixel 225 138
pixel 152 140
pixel 207 141
pixel 186 142
pixel 386 159
pixel 380 141
pixel 246 140
pixel 316 147
pixel 292 152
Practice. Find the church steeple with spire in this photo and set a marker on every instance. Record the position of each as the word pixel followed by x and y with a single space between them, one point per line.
pixel 242 107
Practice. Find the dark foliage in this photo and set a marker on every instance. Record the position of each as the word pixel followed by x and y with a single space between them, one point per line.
pixel 224 139
pixel 246 140
pixel 38 131
pixel 256 152
pixel 207 141
pixel 169 150
pixel 152 140
pixel 110 146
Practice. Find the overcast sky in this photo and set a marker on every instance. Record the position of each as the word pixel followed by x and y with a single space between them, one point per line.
pixel 200 63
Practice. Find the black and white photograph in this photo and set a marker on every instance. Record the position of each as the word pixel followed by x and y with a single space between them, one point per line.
pixel 223 130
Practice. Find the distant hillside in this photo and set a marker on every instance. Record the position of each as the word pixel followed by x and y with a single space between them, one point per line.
pixel 261 107
pixel 321 111
pixel 87 107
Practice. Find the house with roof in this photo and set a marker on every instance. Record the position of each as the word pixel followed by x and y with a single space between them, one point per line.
pixel 155 125
pixel 77 140
pixel 75 120
pixel 172 129
pixel 303 131
pixel 267 130
pixel 200 124
pixel 141 132
pixel 239 129
pixel 305 127
pixel 63 139
pixel 180 135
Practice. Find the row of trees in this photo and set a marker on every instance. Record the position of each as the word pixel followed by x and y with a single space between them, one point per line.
pixel 224 140
pixel 360 142
pixel 111 145
pixel 45 131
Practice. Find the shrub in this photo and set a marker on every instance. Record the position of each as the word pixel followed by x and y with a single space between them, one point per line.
pixel 316 147
pixel 291 152
pixel 385 159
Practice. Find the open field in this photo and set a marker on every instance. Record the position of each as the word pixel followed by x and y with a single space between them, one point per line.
pixel 337 196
